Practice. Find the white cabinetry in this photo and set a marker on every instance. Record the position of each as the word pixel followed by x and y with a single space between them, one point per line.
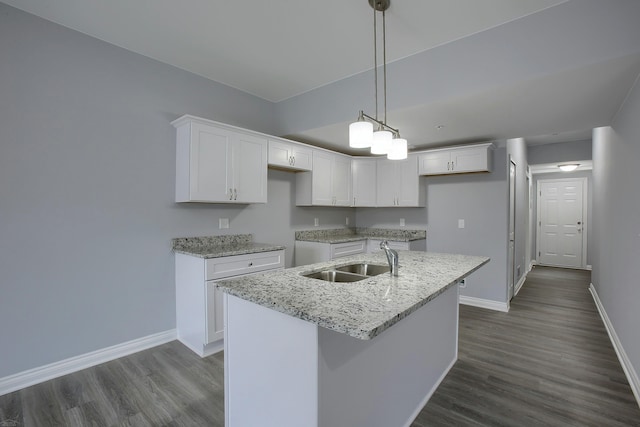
pixel 199 308
pixel 328 184
pixel 216 163
pixel 363 182
pixel 398 183
pixel 373 246
pixel 312 252
pixel 289 155
pixel 474 158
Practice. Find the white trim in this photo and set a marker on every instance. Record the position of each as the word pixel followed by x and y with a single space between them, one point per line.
pixel 63 367
pixel 484 303
pixel 424 401
pixel 589 267
pixel 627 367
pixel 520 283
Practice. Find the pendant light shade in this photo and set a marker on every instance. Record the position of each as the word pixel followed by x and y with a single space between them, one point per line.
pixel 398 150
pixel 360 134
pixel 381 142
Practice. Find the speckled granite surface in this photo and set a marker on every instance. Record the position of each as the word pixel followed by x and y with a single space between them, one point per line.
pixel 360 309
pixel 340 235
pixel 220 246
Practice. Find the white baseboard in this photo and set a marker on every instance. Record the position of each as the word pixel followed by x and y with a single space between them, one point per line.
pixel 57 369
pixel 415 414
pixel 627 367
pixel 484 303
pixel 520 283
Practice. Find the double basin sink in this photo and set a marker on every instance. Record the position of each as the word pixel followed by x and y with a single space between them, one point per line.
pixel 349 273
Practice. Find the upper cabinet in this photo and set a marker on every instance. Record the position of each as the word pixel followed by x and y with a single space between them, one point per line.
pixel 473 158
pixel 328 184
pixel 398 183
pixel 363 181
pixel 289 155
pixel 216 163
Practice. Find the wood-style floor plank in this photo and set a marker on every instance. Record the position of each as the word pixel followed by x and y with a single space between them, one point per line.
pixel 548 362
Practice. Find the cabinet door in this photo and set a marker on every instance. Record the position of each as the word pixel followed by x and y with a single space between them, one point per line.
pixel 408 182
pixel 279 154
pixel 249 169
pixel 210 175
pixel 302 157
pixel 435 163
pixel 470 159
pixel 386 193
pixel 341 180
pixel 363 182
pixel 321 191
pixel 214 329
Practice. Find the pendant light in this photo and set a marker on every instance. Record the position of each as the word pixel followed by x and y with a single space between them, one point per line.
pixel 385 140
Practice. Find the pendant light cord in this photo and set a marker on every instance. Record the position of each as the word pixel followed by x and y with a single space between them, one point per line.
pixel 384 62
pixel 375 58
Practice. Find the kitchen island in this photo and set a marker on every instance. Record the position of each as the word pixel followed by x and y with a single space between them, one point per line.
pixel 305 352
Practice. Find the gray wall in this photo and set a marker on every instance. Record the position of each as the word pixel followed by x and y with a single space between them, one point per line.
pixel 87 171
pixel 616 244
pixel 559 152
pixel 479 199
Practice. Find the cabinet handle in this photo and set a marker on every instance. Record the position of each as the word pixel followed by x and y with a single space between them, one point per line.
pixel 235 194
pixel 290 160
pixel 250 264
pixel 448 166
pixel 452 165
pixel 294 160
pixel 231 194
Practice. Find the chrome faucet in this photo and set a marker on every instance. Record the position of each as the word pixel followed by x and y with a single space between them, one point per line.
pixel 392 257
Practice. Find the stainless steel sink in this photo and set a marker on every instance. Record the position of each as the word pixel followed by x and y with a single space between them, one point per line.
pixel 349 273
pixel 335 276
pixel 364 269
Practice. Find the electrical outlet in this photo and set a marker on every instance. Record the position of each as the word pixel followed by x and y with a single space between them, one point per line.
pixel 223 223
pixel 401 222
pixel 316 222
pixel 346 220
pixel 461 223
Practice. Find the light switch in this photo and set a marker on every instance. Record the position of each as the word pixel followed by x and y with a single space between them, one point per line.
pixel 461 223
pixel 401 222
pixel 223 223
pixel 316 222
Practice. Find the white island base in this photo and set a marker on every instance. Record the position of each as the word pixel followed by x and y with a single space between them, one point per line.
pixel 282 371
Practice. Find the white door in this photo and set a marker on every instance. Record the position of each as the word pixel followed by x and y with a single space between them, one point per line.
pixel 363 182
pixel 408 182
pixel 561 222
pixel 250 169
pixel 341 180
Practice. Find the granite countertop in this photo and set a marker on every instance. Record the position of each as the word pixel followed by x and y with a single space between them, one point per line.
pixel 360 309
pixel 341 235
pixel 221 246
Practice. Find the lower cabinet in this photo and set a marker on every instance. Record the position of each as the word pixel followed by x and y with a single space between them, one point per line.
pixel 199 308
pixel 312 252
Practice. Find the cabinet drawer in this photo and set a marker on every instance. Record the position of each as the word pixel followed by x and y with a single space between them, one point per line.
pixel 349 248
pixel 219 268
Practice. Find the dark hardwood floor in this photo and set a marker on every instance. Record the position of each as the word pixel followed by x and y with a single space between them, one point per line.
pixel 548 362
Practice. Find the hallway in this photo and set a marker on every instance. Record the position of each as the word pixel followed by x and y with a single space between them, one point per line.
pixel 548 362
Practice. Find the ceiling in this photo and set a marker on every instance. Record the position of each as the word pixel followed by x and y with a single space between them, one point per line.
pixel 282 49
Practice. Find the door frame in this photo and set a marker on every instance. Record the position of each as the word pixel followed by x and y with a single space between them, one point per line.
pixel 585 216
pixel 511 253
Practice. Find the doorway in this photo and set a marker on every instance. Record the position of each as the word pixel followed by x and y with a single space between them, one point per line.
pixel 562 214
